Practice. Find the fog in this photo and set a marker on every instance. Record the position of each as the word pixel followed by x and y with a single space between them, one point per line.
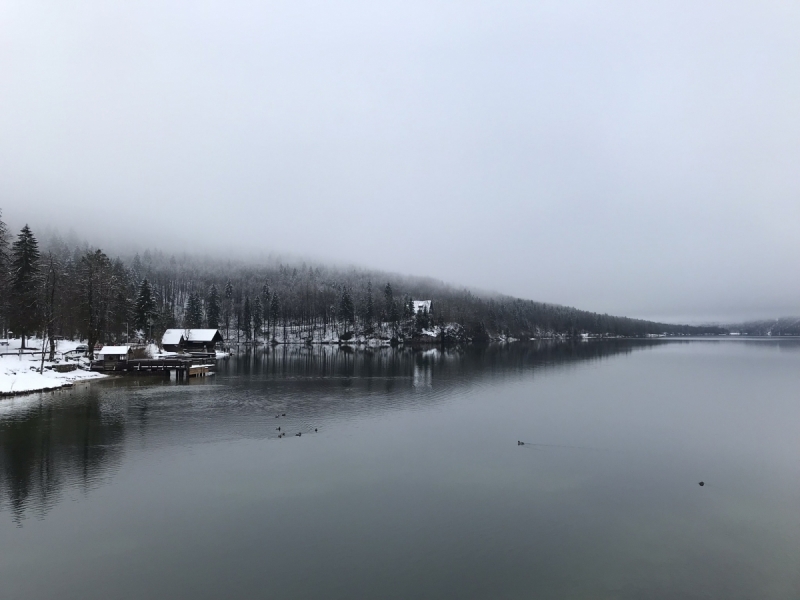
pixel 622 157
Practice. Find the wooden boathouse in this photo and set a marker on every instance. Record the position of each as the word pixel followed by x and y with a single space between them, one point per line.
pixel 191 340
pixel 179 366
pixel 113 355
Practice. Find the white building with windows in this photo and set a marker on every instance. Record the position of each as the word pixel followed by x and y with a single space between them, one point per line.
pixel 422 305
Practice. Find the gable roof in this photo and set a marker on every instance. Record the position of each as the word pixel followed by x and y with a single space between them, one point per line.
pixel 175 337
pixel 202 335
pixel 172 337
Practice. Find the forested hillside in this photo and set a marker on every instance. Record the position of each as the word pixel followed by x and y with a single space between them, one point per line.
pixel 79 291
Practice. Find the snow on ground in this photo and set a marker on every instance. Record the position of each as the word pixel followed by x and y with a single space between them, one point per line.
pixel 62 346
pixel 19 373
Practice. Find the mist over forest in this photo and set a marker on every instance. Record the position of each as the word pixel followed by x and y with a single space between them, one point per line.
pixel 54 288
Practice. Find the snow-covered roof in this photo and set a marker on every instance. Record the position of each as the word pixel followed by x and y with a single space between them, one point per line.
pixel 422 305
pixel 200 335
pixel 174 336
pixel 107 350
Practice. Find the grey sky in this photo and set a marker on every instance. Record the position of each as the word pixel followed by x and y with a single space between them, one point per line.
pixel 638 158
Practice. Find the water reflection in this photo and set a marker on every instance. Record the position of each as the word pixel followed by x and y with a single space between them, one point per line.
pixel 471 362
pixel 414 485
pixel 52 447
pixel 51 443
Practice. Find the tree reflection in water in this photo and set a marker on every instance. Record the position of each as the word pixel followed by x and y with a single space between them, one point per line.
pixel 51 443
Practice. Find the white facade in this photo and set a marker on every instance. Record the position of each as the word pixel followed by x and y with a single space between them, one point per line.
pixel 422 305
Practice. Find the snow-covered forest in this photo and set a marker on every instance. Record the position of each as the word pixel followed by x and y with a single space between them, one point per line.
pixel 54 289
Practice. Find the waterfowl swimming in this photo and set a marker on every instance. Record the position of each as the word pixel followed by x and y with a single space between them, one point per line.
pixel 315 428
pixel 520 443
pixel 283 415
pixel 702 483
pixel 279 428
pixel 298 434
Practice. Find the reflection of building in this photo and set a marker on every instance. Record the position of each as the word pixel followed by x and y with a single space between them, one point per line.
pixel 191 340
pixel 50 445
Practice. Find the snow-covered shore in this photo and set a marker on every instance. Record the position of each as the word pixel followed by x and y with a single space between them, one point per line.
pixel 19 373
pixel 381 335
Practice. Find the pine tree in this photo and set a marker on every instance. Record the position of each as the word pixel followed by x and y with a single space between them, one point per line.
pixel 346 309
pixel 369 315
pixel 228 307
pixel 145 308
pixel 274 311
pixel 258 313
pixel 408 308
pixel 24 313
pixel 136 267
pixel 194 312
pixel 247 318
pixel 388 300
pixel 266 296
pixel 96 287
pixel 213 309
pixel 5 267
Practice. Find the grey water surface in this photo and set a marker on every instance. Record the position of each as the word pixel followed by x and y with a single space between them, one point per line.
pixel 413 484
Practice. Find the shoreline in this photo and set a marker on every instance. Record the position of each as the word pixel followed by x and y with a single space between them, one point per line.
pixel 19 371
pixel 55 384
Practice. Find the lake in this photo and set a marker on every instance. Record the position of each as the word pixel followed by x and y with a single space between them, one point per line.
pixel 409 481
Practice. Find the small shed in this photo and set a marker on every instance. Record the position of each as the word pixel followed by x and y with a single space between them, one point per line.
pixel 191 340
pixel 115 354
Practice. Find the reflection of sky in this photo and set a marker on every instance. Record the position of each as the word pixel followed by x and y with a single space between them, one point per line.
pixel 75 437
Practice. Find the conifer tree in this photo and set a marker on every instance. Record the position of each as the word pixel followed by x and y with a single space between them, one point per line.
pixel 194 312
pixel 388 300
pixel 408 308
pixel 96 287
pixel 24 307
pixel 213 309
pixel 145 308
pixel 247 318
pixel 5 267
pixel 258 313
pixel 274 311
pixel 369 315
pixel 346 309
pixel 266 296
pixel 228 307
pixel 50 287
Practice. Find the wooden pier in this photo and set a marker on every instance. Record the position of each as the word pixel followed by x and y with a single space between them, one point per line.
pixel 182 367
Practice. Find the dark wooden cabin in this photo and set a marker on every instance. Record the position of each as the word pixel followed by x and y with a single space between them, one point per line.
pixel 191 340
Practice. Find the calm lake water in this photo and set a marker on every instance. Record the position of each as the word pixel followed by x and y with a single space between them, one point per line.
pixel 414 485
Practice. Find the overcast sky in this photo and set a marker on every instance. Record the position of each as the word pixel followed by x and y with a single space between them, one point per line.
pixel 638 158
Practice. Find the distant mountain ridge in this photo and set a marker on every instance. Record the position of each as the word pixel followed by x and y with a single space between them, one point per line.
pixel 769 327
